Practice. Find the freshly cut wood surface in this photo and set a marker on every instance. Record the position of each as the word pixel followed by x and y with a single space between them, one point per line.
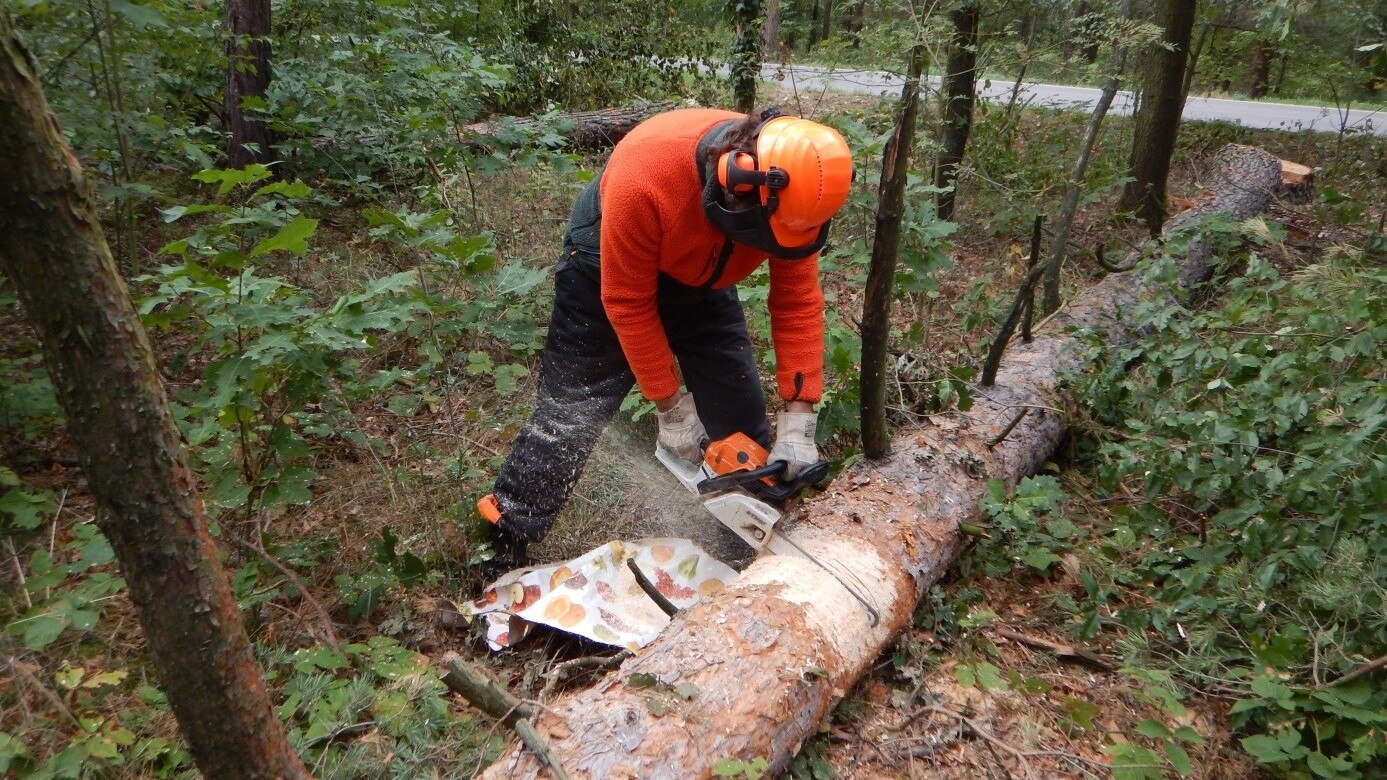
pixel 753 671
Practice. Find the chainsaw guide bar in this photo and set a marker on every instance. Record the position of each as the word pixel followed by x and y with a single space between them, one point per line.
pixel 744 492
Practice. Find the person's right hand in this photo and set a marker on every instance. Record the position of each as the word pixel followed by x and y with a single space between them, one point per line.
pixel 681 432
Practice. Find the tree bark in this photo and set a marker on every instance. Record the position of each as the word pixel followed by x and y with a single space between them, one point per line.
pixel 247 76
pixel 857 19
pixel 1259 68
pixel 1192 64
pixel 746 53
pixel 587 130
pixel 753 670
pixel 960 92
pixel 881 275
pixel 770 31
pixel 826 21
pixel 1082 36
pixel 1157 121
pixel 118 417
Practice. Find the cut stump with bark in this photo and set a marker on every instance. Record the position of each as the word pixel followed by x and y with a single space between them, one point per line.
pixel 752 671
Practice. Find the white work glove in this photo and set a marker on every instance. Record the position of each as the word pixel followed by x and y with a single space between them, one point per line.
pixel 794 441
pixel 681 432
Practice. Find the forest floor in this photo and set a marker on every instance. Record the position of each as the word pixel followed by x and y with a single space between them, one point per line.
pixel 1003 690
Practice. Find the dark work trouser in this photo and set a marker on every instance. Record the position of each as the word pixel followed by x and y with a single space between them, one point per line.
pixel 584 376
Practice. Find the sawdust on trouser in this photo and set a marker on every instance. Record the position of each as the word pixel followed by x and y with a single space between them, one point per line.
pixel 596 596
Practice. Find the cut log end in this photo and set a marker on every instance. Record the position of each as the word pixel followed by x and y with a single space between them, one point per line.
pixel 1297 182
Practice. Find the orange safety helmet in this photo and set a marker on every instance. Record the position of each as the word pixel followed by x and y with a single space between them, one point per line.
pixel 803 171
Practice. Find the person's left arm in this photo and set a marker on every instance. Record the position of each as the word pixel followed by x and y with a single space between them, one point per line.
pixel 796 306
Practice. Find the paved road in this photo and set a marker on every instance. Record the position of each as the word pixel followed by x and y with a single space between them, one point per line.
pixel 1282 116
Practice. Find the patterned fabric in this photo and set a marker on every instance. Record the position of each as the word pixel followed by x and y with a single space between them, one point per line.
pixel 596 595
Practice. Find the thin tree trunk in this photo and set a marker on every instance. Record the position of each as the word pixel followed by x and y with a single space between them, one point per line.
pixel 876 300
pixel 746 53
pixel 118 417
pixel 826 21
pixel 247 76
pixel 960 91
pixel 1195 53
pixel 1158 119
pixel 1259 68
pixel 753 670
pixel 1074 188
pixel 814 25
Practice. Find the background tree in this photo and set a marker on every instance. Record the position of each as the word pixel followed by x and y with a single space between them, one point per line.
pixel 1157 121
pixel 247 80
pixel 881 274
pixel 746 53
pixel 118 417
pixel 960 90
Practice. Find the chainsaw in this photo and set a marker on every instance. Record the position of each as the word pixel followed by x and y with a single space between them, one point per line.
pixel 746 493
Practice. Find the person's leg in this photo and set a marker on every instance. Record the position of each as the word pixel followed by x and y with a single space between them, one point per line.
pixel 709 337
pixel 583 378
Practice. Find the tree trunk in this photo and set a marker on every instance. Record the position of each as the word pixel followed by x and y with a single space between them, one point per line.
pixel 814 25
pixel 1158 119
pixel 247 76
pixel 1259 68
pixel 746 53
pixel 876 302
pixel 1074 188
pixel 1082 36
pixel 118 417
pixel 826 21
pixel 857 19
pixel 960 91
pixel 1193 63
pixel 770 31
pixel 753 670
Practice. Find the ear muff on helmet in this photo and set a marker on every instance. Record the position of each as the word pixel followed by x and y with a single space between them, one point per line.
pixel 738 174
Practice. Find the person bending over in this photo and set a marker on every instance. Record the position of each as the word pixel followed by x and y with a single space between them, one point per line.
pixel 691 202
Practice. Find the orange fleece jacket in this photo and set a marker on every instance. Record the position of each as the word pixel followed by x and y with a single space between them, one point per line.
pixel 653 222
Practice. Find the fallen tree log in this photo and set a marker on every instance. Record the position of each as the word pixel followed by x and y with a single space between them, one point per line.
pixel 752 671
pixel 586 130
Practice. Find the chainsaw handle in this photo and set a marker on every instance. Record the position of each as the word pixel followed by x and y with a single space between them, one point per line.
pixel 739 478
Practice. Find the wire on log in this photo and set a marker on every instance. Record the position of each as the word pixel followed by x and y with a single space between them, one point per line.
pixel 1116 269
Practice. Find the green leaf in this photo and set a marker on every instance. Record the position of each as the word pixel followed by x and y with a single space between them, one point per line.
pixel 10 749
pixel 43 630
pixel 1040 559
pixel 141 16
pixel 227 179
pixel 292 238
pixel 990 678
pixel 1265 749
pixel 1154 729
pixel 1134 762
pixel 1179 758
